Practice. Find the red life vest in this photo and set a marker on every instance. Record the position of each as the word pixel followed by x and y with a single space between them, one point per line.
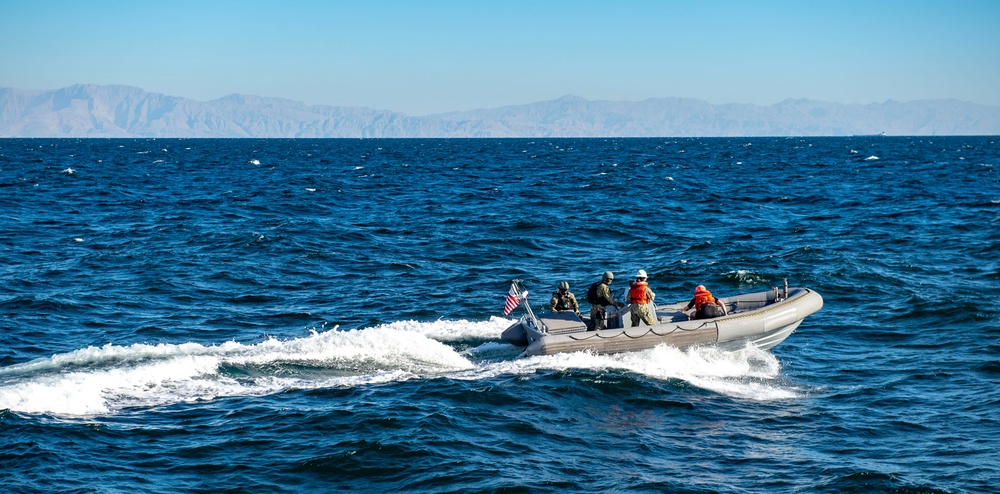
pixel 638 292
pixel 703 297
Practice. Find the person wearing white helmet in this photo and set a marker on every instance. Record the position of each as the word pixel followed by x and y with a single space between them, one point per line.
pixel 563 299
pixel 640 295
pixel 599 296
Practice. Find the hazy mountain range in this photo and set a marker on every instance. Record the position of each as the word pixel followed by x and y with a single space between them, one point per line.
pixel 123 111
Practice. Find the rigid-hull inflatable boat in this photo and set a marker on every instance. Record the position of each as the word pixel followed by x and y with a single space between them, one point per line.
pixel 763 319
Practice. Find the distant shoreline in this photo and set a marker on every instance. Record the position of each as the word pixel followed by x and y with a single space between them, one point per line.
pixel 92 111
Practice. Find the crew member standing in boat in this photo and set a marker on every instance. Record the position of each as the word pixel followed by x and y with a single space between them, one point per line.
pixel 640 295
pixel 563 299
pixel 599 296
pixel 705 304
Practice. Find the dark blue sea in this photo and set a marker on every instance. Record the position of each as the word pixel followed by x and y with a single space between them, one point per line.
pixel 290 316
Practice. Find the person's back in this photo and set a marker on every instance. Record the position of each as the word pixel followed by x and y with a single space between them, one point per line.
pixel 599 296
pixel 705 304
pixel 639 296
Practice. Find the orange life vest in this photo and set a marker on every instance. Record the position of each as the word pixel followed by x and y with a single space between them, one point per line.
pixel 638 292
pixel 703 297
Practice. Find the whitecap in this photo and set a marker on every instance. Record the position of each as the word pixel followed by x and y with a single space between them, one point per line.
pixel 747 277
pixel 871 158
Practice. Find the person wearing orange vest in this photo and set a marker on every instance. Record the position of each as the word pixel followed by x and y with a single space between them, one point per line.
pixel 705 305
pixel 640 295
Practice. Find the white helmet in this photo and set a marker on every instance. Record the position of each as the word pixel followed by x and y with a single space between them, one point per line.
pixel 641 274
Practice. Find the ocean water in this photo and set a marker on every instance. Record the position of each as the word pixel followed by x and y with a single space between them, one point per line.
pixel 324 315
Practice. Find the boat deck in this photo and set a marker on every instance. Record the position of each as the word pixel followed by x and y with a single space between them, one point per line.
pixel 562 322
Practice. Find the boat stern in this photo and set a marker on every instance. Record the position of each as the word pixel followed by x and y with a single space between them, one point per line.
pixel 516 334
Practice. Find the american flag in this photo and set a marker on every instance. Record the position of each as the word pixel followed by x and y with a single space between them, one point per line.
pixel 512 301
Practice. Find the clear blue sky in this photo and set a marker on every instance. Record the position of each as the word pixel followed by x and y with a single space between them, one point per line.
pixel 421 57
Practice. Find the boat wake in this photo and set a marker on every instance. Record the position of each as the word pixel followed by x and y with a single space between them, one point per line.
pixel 107 380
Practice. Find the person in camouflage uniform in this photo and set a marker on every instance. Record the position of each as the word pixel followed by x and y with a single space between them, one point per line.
pixel 563 299
pixel 604 299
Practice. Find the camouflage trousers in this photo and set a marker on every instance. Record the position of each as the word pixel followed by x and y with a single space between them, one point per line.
pixel 641 312
pixel 597 314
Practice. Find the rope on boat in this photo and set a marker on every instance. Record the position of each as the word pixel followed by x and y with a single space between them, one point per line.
pixel 623 333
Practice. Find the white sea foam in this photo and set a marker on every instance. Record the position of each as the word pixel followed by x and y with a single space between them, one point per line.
pixel 108 379
pixel 94 381
pixel 749 373
pixel 455 330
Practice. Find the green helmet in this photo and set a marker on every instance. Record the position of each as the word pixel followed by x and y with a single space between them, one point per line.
pixel 608 275
pixel 564 286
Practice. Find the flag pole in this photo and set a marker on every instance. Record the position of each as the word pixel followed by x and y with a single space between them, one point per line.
pixel 522 293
